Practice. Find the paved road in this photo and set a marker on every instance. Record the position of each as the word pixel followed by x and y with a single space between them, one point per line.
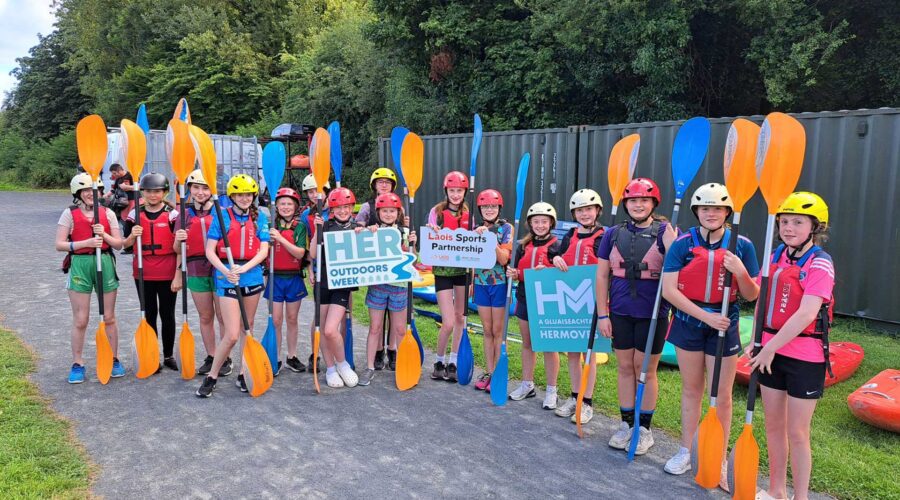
pixel 153 438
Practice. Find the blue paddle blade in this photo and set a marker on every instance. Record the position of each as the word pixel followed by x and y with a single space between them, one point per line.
pixel 636 436
pixel 142 120
pixel 476 145
pixel 273 161
pixel 337 157
pixel 415 332
pixel 521 179
pixel 398 134
pixel 500 379
pixel 465 360
pixel 270 344
pixel 348 343
pixel 688 153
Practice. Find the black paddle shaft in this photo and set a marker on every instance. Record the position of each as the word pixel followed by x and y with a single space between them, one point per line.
pixel 184 305
pixel 99 253
pixel 757 340
pixel 720 342
pixel 237 288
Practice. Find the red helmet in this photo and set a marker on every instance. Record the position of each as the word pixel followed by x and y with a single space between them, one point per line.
pixel 456 179
pixel 489 197
pixel 388 200
pixel 642 187
pixel 341 196
pixel 290 193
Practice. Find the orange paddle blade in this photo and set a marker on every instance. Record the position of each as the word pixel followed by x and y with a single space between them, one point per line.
pixel 320 152
pixel 183 153
pixel 186 352
pixel 90 137
pixel 206 153
pixel 622 161
pixel 258 372
pixel 146 350
pixel 409 366
pixel 134 147
pixel 582 389
pixel 104 355
pixel 743 466
pixel 412 158
pixel 779 157
pixel 740 162
pixel 709 450
pixel 315 357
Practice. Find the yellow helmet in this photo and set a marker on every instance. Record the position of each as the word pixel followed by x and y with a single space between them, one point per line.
pixel 195 177
pixel 382 173
pixel 805 203
pixel 242 183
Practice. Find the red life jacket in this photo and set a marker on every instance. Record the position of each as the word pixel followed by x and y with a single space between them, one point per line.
pixel 241 237
pixel 786 292
pixel 534 256
pixel 447 219
pixel 284 262
pixel 581 250
pixel 82 228
pixel 703 278
pixel 158 237
pixel 196 226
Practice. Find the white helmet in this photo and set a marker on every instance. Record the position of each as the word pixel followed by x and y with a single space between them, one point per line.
pixel 541 208
pixel 585 198
pixel 195 177
pixel 711 195
pixel 309 182
pixel 79 182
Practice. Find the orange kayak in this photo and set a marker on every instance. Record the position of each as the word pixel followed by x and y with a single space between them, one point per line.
pixel 877 402
pixel 845 359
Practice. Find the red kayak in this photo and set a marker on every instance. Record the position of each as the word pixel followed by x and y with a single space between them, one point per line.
pixel 877 402
pixel 845 359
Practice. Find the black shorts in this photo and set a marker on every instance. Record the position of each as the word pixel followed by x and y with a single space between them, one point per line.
pixel 631 333
pixel 339 297
pixel 521 310
pixel 448 282
pixel 801 379
pixel 246 291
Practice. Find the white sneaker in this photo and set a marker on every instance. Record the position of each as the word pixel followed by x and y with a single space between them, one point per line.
pixel 645 441
pixel 622 438
pixel 525 390
pixel 550 400
pixel 567 409
pixel 680 463
pixel 333 379
pixel 347 374
pixel 587 413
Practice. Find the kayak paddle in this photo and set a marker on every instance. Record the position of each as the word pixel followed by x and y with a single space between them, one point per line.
pixel 409 360
pixel 688 153
pixel 337 163
pixel 273 160
pixel 779 161
pixel 90 137
pixel 465 362
pixel 320 151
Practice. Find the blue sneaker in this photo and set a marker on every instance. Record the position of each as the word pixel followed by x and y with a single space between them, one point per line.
pixel 76 375
pixel 118 370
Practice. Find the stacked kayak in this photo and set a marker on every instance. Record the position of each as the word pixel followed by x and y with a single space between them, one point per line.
pixel 745 326
pixel 845 359
pixel 877 402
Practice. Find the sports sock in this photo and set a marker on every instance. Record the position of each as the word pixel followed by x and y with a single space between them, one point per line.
pixel 589 401
pixel 452 358
pixel 645 418
pixel 440 359
pixel 627 415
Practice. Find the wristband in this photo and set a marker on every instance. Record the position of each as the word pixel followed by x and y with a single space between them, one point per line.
pixel 71 246
pixel 602 317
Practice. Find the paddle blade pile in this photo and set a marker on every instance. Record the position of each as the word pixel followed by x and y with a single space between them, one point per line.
pixel 622 162
pixel 688 152
pixel 90 136
pixel 186 352
pixel 134 147
pixel 465 360
pixel 270 343
pixel 179 145
pixel 104 355
pixel 320 150
pixel 708 450
pixel 779 158
pixel 412 158
pixel 146 350
pixel 409 366
pixel 206 152
pixel 500 379
pixel 258 369
pixel 740 158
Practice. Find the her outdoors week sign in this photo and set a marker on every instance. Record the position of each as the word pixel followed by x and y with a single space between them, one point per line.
pixel 367 258
pixel 458 248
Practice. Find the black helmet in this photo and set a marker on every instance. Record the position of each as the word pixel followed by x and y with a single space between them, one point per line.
pixel 155 180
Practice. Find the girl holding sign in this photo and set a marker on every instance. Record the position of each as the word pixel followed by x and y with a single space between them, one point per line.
pixel 450 282
pixel 334 303
pixel 693 282
pixel 632 252
pixel 389 213
pixel 580 247
pixel 490 284
pixel 536 251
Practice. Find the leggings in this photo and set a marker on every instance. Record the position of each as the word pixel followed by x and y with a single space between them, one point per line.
pixel 159 299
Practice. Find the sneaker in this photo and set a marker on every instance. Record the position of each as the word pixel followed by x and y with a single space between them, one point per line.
pixel 227 368
pixel 76 374
pixel 206 367
pixel 276 370
pixel 118 369
pixel 347 374
pixel 439 372
pixel 206 388
pixel 450 375
pixel 392 359
pixel 170 363
pixel 483 382
pixel 680 463
pixel 567 409
pixel 379 359
pixel 525 390
pixel 550 400
pixel 622 438
pixel 645 441
pixel 333 379
pixel 587 413
pixel 366 377
pixel 318 364
pixel 240 383
pixel 295 365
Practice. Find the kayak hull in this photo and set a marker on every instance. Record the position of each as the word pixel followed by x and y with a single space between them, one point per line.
pixel 877 402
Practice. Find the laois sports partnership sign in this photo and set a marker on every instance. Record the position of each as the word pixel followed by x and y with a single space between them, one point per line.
pixel 458 248
pixel 560 309
pixel 367 258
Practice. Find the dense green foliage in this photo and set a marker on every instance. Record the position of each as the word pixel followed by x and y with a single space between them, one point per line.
pixel 247 65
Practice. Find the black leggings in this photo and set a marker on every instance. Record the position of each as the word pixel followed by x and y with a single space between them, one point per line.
pixel 159 299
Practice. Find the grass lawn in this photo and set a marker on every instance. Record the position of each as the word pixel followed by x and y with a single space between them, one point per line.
pixel 39 457
pixel 851 459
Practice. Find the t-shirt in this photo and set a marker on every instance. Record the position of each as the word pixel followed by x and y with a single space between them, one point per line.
pixel 65 219
pixel 299 238
pixel 253 276
pixel 497 274
pixel 817 279
pixel 363 216
pixel 620 300
pixel 156 267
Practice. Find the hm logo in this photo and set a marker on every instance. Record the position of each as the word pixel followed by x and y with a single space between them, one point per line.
pixel 567 301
